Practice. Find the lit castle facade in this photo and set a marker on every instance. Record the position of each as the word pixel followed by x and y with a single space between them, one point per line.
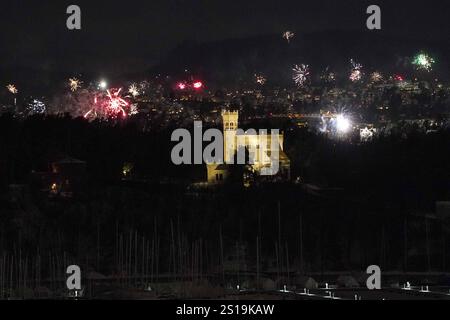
pixel 234 139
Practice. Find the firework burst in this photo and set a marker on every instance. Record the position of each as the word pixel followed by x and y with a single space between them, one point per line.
pixel 111 105
pixel 134 109
pixel 75 84
pixel 36 107
pixel 12 88
pixel 376 77
pixel 182 86
pixel 288 35
pixel 301 73
pixel 423 61
pixel 116 104
pixel 197 85
pixel 134 90
pixel 260 79
pixel 356 71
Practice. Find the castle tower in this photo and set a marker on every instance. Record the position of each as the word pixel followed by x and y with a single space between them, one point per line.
pixel 230 121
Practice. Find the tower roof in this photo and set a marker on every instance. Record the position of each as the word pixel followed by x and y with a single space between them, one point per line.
pixel 230 113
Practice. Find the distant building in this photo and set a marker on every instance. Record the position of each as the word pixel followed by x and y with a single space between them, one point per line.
pixel 67 176
pixel 218 173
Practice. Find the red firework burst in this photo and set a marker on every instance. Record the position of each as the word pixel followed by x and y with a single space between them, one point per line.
pixel 111 105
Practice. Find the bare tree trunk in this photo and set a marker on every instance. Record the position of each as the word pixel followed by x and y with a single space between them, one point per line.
pixel 222 255
pixel 172 249
pixel 277 259
pixel 257 264
pixel 301 245
pixel 427 232
pixel 279 235
pixel 287 263
pixel 405 244
pixel 444 248
pixel 238 264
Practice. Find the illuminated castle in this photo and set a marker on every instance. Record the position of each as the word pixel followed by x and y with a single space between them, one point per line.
pixel 235 139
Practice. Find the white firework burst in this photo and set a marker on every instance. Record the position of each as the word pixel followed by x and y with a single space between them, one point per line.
pixel 134 109
pixel 36 107
pixel 75 84
pixel 12 88
pixel 134 90
pixel 301 73
pixel 288 35
pixel 356 71
pixel 260 79
pixel 376 77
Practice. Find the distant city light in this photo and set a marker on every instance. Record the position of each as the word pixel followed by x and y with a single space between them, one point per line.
pixel 328 76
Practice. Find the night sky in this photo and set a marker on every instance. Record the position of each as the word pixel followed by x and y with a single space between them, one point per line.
pixel 135 34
